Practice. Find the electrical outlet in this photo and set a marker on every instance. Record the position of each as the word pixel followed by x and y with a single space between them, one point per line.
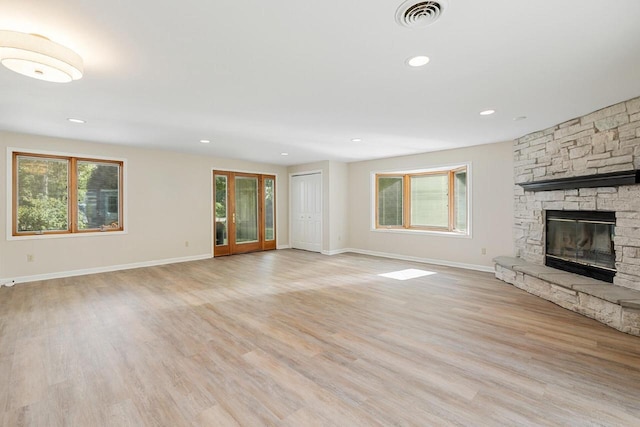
pixel 484 251
pixel 30 258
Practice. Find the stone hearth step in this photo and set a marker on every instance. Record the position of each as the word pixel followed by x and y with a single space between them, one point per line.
pixel 613 305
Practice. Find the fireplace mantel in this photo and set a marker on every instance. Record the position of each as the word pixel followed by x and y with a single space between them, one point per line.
pixel 612 179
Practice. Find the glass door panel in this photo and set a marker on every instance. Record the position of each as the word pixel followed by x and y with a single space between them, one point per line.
pixel 221 208
pixel 269 212
pixel 246 212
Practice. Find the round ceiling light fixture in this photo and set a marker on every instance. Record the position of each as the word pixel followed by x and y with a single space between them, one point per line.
pixel 36 56
pixel 205 141
pixel 74 120
pixel 418 61
pixel 284 154
pixel 356 139
pixel 487 112
pixel 414 14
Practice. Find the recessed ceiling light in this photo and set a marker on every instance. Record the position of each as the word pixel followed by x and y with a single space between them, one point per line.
pixel 418 61
pixel 284 154
pixel 205 141
pixel 356 139
pixel 487 112
pixel 517 119
pixel 72 120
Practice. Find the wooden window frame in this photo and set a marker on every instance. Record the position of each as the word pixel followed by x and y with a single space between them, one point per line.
pixel 72 194
pixel 406 202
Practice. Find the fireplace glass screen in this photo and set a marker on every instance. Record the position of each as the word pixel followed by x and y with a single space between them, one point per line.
pixel 584 239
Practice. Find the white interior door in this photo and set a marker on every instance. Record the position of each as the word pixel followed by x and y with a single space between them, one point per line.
pixel 306 212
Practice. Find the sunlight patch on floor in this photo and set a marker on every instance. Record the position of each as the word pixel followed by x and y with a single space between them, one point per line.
pixel 410 273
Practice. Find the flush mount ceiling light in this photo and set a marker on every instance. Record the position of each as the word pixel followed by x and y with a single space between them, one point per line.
pixel 38 57
pixel 356 139
pixel 418 61
pixel 205 141
pixel 487 112
pixel 284 154
pixel 73 120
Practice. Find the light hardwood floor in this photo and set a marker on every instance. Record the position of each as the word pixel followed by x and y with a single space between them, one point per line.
pixel 291 338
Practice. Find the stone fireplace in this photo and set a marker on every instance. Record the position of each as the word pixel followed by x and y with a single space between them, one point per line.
pixel 585 164
pixel 577 216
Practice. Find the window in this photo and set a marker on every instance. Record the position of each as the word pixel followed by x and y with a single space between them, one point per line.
pixel 59 194
pixel 428 200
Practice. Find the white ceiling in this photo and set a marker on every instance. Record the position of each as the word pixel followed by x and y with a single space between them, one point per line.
pixel 305 77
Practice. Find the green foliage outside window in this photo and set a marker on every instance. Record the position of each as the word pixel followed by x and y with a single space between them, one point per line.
pixel 43 194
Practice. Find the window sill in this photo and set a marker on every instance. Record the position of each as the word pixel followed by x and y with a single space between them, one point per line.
pixel 66 235
pixel 423 232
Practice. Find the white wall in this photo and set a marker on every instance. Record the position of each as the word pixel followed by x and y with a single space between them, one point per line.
pixel 168 203
pixel 492 208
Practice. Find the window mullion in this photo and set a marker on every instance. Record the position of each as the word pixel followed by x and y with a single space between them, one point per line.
pixel 406 206
pixel 451 200
pixel 72 194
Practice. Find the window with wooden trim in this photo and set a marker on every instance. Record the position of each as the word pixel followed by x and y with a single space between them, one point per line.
pixel 435 200
pixel 62 194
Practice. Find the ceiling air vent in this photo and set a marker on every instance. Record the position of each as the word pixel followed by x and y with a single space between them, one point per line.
pixel 414 14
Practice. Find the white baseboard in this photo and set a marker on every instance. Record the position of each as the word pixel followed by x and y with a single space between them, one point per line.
pixel 282 247
pixel 418 259
pixel 60 274
pixel 336 251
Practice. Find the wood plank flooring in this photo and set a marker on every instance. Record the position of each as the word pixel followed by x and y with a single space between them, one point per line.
pixel 291 338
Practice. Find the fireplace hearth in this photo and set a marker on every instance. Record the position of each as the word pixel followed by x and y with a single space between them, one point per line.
pixel 581 242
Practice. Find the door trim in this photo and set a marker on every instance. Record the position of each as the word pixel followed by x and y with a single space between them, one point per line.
pixel 302 173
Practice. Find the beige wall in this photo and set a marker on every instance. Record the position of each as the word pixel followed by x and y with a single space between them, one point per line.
pixel 492 208
pixel 168 203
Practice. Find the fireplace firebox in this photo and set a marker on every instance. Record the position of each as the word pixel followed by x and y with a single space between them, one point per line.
pixel 581 242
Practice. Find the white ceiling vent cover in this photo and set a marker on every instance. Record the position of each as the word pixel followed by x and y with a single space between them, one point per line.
pixel 414 14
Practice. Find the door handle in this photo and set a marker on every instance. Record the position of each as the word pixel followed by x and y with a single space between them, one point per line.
pixel 233 217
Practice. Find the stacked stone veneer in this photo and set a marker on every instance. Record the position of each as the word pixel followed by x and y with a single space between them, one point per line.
pixel 607 140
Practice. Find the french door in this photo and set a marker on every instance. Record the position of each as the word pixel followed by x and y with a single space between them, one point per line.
pixel 244 212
